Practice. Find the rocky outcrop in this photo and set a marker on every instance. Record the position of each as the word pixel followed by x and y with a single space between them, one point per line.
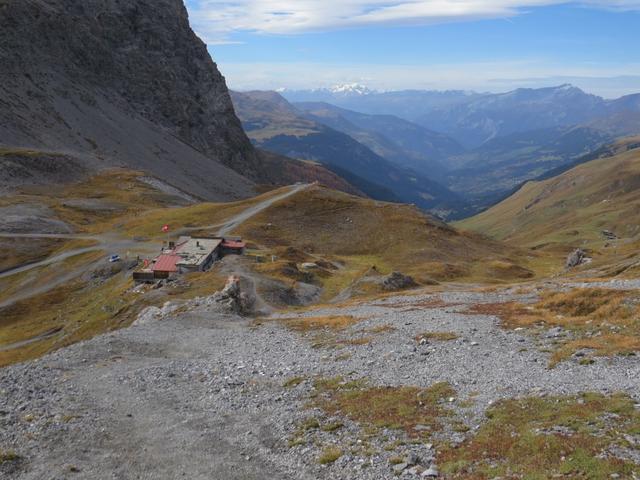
pixel 398 281
pixel 576 258
pixel 233 299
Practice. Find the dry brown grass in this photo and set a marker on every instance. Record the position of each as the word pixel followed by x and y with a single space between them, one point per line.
pixel 381 329
pixel 388 236
pixel 603 345
pixel 14 254
pixel 520 439
pixel 331 331
pixel 328 322
pixel 605 321
pixel 570 210
pixel 329 455
pixel 120 190
pixel 401 408
pixel 438 336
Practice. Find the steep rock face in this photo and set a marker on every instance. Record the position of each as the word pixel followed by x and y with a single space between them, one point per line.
pixel 126 83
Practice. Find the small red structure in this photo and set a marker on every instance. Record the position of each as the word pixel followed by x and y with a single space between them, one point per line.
pixel 233 247
pixel 165 265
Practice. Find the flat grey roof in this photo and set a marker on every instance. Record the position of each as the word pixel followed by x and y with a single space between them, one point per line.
pixel 195 251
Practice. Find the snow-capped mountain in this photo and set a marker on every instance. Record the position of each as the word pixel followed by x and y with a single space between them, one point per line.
pixel 351 89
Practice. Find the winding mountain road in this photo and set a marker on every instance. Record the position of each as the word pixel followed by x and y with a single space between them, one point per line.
pixel 107 243
pixel 112 243
pixel 237 220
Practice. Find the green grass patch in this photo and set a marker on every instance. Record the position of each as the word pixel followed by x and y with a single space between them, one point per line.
pixel 293 382
pixel 7 456
pixel 329 455
pixel 332 426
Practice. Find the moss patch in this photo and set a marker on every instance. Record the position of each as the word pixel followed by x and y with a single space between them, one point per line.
pixel 7 456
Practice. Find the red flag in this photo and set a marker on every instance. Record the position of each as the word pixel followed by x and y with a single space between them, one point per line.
pixel 165 229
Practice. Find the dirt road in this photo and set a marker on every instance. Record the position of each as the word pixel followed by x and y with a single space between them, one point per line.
pixel 105 242
pixel 237 220
pixel 110 243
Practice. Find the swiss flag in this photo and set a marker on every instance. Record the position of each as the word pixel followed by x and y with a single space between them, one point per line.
pixel 165 228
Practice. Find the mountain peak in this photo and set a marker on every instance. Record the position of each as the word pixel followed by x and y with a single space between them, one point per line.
pixel 566 87
pixel 351 89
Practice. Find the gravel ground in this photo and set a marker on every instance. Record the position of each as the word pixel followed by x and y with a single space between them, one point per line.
pixel 201 394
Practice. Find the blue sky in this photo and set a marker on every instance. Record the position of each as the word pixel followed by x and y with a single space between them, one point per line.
pixel 492 45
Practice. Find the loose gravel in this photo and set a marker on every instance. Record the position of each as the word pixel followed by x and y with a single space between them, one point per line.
pixel 201 394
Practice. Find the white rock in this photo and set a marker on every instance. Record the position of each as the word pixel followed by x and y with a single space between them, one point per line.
pixel 431 472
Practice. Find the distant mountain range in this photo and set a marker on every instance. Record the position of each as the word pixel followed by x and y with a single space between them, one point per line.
pixel 480 145
pixel 474 118
pixel 398 140
pixel 407 104
pixel 277 126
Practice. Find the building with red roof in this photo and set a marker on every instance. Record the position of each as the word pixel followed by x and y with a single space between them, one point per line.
pixel 189 255
pixel 165 265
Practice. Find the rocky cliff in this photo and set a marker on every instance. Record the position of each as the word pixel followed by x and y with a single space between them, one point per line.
pixel 122 82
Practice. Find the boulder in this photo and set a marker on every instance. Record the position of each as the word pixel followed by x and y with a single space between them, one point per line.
pixel 431 472
pixel 412 459
pixel 153 314
pixel 576 258
pixel 233 298
pixel 398 281
pixel 400 467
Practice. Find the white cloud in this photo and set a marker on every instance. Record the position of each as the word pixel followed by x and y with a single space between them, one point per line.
pixel 216 19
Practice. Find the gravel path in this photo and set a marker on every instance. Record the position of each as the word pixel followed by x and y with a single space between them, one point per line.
pixel 200 394
pixel 236 221
pixel 114 244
